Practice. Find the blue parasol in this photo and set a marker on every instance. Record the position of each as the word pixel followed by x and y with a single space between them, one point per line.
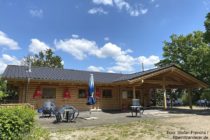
pixel 91 100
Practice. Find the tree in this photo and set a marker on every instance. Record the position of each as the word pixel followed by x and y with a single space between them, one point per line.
pixel 8 93
pixel 44 59
pixel 3 86
pixel 190 53
pixel 207 26
pixel 206 94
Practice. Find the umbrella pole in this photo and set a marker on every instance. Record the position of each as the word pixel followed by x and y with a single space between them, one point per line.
pixel 99 106
pixel 90 110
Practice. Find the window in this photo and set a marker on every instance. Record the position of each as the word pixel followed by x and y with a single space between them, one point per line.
pixel 138 96
pixel 48 93
pixel 130 94
pixel 127 94
pixel 107 93
pixel 82 93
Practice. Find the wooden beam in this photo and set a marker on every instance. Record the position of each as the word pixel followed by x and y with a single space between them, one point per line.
pixel 174 77
pixel 191 78
pixel 182 77
pixel 136 84
pixel 149 75
pixel 190 98
pixel 160 82
pixel 164 93
pixel 134 92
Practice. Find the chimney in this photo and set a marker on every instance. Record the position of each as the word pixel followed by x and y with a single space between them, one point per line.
pixel 29 66
pixel 142 66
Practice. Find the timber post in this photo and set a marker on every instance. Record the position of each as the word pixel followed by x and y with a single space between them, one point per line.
pixel 134 92
pixel 164 94
pixel 190 98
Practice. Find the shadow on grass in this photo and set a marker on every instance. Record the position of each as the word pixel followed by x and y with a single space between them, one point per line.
pixel 177 110
pixel 204 111
pixel 46 116
pixel 130 116
pixel 188 111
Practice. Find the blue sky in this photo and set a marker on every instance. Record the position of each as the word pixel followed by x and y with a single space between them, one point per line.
pixel 99 35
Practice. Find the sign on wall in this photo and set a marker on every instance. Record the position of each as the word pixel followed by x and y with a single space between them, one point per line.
pixel 124 95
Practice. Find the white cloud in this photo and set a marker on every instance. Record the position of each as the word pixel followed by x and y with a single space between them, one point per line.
pixel 137 12
pixel 2 66
pixel 37 46
pixel 122 4
pixel 123 63
pixel 120 69
pixel 62 62
pixel 12 60
pixel 132 10
pixel 75 36
pixel 104 2
pixel 108 50
pixel 79 48
pixel 7 60
pixel 126 63
pixel 144 11
pixel 98 10
pixel 148 61
pixel 94 68
pixel 128 51
pixel 111 50
pixel 36 13
pixel 134 13
pixel 106 38
pixel 5 41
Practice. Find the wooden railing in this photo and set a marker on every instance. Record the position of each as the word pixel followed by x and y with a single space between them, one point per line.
pixel 17 104
pixel 10 101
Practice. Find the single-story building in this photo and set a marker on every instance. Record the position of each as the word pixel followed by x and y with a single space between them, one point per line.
pixel 34 85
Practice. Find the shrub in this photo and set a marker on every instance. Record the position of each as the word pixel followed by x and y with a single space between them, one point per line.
pixel 2 95
pixel 15 122
pixel 185 98
pixel 206 94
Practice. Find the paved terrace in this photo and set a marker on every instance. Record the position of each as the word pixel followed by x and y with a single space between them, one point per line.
pixel 115 117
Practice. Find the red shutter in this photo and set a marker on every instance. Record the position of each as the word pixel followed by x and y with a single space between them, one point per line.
pixel 37 93
pixel 98 94
pixel 66 94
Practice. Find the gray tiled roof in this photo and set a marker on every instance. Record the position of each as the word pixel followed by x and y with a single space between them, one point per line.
pixel 45 73
pixel 139 74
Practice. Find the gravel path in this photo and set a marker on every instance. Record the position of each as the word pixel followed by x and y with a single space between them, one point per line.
pixel 104 118
pixel 181 118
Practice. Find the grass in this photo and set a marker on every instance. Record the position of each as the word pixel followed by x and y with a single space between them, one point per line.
pixel 37 133
pixel 134 130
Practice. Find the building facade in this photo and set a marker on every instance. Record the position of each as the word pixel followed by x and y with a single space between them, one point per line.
pixel 112 91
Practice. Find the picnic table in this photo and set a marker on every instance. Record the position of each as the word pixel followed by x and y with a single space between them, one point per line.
pixel 137 109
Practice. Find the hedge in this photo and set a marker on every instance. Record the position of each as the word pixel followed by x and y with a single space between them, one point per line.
pixel 15 122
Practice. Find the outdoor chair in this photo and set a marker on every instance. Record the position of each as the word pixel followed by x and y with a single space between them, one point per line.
pixel 66 113
pixel 136 107
pixel 48 108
